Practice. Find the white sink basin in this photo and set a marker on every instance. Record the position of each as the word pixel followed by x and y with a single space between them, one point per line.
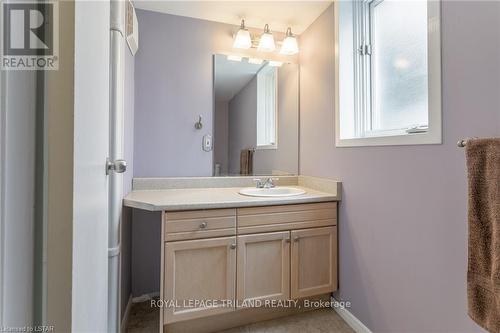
pixel 271 192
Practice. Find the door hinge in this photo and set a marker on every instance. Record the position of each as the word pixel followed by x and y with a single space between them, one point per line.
pixel 365 49
pixel 368 49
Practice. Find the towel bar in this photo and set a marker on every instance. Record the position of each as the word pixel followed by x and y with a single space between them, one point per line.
pixel 462 143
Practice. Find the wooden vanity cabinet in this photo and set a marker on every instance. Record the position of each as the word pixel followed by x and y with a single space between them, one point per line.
pixel 314 261
pixel 246 254
pixel 263 267
pixel 198 271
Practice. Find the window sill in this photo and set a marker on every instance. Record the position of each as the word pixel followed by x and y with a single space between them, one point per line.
pixel 266 147
pixel 427 138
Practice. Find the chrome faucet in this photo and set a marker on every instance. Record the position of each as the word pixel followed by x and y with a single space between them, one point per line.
pixel 269 183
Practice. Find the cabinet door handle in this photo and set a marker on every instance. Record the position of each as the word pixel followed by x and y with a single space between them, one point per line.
pixel 287 240
pixel 232 246
pixel 296 238
pixel 203 225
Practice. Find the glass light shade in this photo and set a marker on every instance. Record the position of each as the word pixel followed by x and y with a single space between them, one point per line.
pixel 289 46
pixel 266 43
pixel 255 61
pixel 275 63
pixel 242 40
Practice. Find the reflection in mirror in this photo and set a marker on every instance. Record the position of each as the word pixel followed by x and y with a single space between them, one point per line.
pixel 267 90
pixel 255 117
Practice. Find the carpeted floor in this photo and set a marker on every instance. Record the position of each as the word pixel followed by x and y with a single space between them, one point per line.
pixel 144 319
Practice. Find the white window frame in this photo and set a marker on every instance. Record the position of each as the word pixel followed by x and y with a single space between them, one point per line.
pixel 433 135
pixel 275 145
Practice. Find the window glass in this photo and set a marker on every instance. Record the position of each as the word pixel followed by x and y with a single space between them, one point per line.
pixel 399 64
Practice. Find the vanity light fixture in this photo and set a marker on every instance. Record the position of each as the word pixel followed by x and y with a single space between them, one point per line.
pixel 255 61
pixel 290 45
pixel 266 43
pixel 275 63
pixel 242 40
pixel 234 58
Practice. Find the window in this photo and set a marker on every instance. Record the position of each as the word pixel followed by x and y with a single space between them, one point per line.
pixel 388 72
pixel 267 91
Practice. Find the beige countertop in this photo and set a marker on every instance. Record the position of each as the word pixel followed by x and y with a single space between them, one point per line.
pixel 209 198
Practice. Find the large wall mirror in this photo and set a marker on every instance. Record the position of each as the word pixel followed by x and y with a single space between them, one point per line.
pixel 256 117
pixel 198 112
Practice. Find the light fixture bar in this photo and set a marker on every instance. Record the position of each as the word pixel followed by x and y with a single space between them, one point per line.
pixel 255 61
pixel 234 57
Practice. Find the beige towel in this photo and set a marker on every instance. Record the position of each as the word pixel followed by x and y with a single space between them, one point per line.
pixel 483 276
pixel 246 162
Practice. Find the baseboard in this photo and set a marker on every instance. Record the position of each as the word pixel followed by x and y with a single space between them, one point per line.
pixel 145 297
pixel 123 325
pixel 351 320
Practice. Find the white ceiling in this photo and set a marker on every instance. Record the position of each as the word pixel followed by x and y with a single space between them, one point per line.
pixel 231 77
pixel 278 14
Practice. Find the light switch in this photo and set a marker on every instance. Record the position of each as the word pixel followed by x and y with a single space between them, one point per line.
pixel 207 142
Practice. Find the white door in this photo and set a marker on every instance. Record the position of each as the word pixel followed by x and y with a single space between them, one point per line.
pixel 117 165
pixel 92 135
pixel 17 171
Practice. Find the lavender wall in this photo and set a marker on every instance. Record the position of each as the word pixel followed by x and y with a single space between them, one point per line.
pixel 173 86
pixel 403 227
pixel 283 160
pixel 221 136
pixel 242 123
pixel 174 79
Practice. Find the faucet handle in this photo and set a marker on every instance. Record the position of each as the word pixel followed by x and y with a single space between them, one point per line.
pixel 259 183
pixel 270 182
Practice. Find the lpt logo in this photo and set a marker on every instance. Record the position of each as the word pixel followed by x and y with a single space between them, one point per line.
pixel 30 38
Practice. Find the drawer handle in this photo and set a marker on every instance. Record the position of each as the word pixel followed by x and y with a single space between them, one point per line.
pixel 232 246
pixel 203 225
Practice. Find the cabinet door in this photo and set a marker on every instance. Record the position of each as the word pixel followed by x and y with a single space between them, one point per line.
pixel 197 273
pixel 314 261
pixel 263 267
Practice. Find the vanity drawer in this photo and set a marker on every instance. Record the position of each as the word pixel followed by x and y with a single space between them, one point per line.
pixel 199 224
pixel 286 217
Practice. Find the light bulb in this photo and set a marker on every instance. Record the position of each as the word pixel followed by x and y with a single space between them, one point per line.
pixel 289 46
pixel 242 40
pixel 266 43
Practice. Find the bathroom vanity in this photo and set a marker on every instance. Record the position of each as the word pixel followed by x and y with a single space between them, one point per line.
pixel 222 251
